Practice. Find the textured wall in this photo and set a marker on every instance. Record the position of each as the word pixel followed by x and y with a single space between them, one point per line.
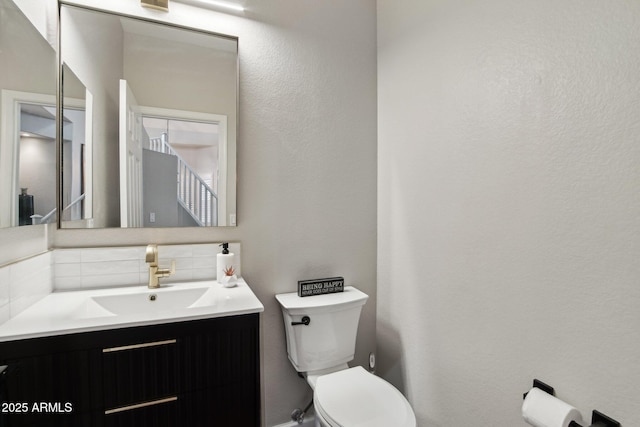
pixel 509 211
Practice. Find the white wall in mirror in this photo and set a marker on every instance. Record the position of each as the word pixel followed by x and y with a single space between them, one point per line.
pixel 27 156
pixel 27 80
pixel 93 68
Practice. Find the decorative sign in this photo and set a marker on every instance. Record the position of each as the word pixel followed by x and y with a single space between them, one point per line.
pixel 320 286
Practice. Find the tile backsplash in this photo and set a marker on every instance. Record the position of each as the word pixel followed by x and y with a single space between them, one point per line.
pixel 87 268
pixel 24 282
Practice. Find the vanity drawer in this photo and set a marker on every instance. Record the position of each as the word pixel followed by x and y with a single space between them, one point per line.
pixel 138 374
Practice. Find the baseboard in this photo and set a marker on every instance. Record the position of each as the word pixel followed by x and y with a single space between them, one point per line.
pixel 308 422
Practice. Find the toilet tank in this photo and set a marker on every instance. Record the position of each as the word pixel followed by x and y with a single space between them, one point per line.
pixel 329 339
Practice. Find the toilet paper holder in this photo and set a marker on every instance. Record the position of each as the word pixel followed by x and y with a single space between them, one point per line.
pixel 542 386
pixel 598 419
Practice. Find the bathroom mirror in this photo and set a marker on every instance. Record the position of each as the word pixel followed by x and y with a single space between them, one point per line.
pixel 159 146
pixel 27 117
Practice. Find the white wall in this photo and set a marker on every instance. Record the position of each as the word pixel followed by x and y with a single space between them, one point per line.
pixel 94 67
pixel 508 208
pixel 159 174
pixel 306 163
pixel 33 73
pixel 43 16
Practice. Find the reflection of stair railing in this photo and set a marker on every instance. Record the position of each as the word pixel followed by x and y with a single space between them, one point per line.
pixel 45 219
pixel 195 195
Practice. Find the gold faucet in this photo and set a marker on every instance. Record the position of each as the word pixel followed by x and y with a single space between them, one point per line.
pixel 155 272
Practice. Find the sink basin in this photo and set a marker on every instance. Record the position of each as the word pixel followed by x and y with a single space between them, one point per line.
pixel 101 309
pixel 151 301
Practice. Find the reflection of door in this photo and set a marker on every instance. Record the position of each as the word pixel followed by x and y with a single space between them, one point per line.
pixel 157 121
pixel 130 159
pixel 10 102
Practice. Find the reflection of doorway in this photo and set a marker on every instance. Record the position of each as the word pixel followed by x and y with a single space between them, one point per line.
pixel 36 163
pixel 39 132
pixel 28 154
pixel 198 143
pixel 173 166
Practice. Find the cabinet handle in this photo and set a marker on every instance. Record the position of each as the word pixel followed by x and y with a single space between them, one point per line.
pixel 141 405
pixel 134 346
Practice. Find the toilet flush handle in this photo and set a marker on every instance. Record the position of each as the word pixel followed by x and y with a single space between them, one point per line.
pixel 304 321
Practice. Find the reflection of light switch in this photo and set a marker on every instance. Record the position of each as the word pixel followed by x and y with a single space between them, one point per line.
pixel 152 217
pixel 232 219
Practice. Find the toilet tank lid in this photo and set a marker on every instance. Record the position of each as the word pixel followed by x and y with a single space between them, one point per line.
pixel 350 296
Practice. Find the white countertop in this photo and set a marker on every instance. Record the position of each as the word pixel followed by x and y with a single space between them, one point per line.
pixel 76 311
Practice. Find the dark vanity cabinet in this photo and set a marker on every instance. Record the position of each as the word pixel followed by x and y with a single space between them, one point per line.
pixel 192 373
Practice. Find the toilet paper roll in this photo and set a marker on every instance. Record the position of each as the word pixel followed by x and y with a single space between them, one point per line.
pixel 540 409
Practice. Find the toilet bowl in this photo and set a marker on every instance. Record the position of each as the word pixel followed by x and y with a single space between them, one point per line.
pixel 354 397
pixel 321 337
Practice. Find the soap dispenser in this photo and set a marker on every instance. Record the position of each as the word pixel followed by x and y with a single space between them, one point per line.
pixel 226 267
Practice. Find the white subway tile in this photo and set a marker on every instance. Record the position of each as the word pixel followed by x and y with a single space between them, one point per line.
pixel 109 267
pixel 4 286
pixel 206 250
pixel 67 283
pixel 64 256
pixel 203 262
pixel 112 254
pixel 67 270
pixel 5 313
pixel 181 263
pixel 28 266
pixel 18 284
pixel 109 280
pixel 37 283
pixel 175 251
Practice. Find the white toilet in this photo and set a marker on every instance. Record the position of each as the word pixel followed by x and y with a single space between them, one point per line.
pixel 321 338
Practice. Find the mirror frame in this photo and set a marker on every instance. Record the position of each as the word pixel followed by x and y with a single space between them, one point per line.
pixel 60 105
